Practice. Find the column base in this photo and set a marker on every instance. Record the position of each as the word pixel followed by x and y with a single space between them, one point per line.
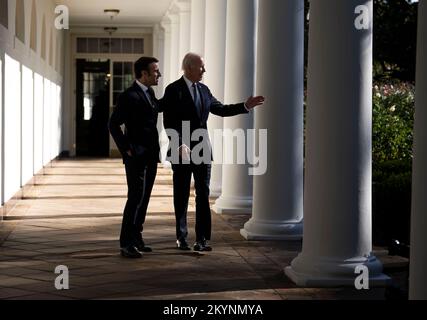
pixel 226 205
pixel 271 230
pixel 167 165
pixel 215 190
pixel 329 272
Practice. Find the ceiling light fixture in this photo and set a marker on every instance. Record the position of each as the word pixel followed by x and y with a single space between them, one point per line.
pixel 110 30
pixel 112 13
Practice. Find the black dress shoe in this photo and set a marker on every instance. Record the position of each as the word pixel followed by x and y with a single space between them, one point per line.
pixel 198 246
pixel 140 245
pixel 202 246
pixel 182 245
pixel 130 252
pixel 143 248
pixel 206 245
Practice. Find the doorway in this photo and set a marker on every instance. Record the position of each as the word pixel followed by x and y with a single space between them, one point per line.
pixel 92 107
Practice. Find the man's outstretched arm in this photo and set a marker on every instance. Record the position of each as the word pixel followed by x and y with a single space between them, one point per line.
pixel 219 109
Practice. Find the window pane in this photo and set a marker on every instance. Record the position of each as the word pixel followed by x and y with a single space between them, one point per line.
pixel 128 68
pixel 82 45
pixel 138 46
pixel 116 45
pixel 105 45
pixel 127 46
pixel 128 80
pixel 118 68
pixel 118 84
pixel 93 45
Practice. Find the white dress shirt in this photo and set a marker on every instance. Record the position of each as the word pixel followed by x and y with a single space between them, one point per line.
pixel 145 90
pixel 190 88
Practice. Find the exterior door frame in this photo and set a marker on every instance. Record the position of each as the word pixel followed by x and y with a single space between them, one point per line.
pixel 145 33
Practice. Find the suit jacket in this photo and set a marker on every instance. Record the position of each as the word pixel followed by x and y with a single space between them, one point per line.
pixel 178 106
pixel 140 123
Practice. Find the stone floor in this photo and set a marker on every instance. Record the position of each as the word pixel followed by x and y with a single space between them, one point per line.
pixel 72 217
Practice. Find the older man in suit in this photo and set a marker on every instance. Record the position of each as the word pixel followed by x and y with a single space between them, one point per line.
pixel 189 102
pixel 137 109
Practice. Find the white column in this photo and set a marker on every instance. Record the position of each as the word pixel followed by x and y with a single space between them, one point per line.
pixel 337 199
pixel 167 79
pixel 418 262
pixel 175 63
pixel 159 46
pixel 159 53
pixel 1 133
pixel 166 26
pixel 236 193
pixel 184 29
pixel 197 42
pixel 68 123
pixel 278 193
pixel 215 35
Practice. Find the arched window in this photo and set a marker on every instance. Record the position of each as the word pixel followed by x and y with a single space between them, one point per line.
pixel 4 13
pixel 33 32
pixel 20 20
pixel 43 48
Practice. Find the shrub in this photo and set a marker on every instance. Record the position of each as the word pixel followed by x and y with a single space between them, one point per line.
pixel 393 117
pixel 391 201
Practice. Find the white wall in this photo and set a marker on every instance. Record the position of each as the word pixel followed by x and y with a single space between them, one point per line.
pixel 27 124
pixel 1 129
pixel 30 101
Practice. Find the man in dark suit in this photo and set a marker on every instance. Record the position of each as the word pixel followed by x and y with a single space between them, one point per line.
pixel 191 101
pixel 137 108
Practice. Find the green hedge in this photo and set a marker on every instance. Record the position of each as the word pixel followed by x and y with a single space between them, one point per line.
pixel 393 116
pixel 391 202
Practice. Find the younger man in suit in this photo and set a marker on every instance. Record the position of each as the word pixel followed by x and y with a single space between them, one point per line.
pixel 137 109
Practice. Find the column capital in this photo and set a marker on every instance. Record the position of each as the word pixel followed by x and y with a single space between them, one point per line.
pixel 183 5
pixel 166 24
pixel 159 31
pixel 173 16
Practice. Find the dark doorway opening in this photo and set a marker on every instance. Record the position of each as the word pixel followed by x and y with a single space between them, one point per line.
pixel 93 104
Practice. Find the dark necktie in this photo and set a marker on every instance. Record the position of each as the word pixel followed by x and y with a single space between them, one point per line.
pixel 152 96
pixel 197 100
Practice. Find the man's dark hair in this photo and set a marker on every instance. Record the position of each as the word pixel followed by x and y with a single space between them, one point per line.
pixel 142 64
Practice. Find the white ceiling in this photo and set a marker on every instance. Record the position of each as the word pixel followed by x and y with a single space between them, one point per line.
pixel 132 12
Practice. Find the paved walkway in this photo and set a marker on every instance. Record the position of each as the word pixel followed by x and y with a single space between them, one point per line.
pixel 72 217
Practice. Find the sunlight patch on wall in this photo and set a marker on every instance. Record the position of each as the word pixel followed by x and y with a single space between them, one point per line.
pixel 27 124
pixel 12 130
pixel 38 122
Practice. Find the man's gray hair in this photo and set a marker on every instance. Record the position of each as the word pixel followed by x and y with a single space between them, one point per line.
pixel 189 60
